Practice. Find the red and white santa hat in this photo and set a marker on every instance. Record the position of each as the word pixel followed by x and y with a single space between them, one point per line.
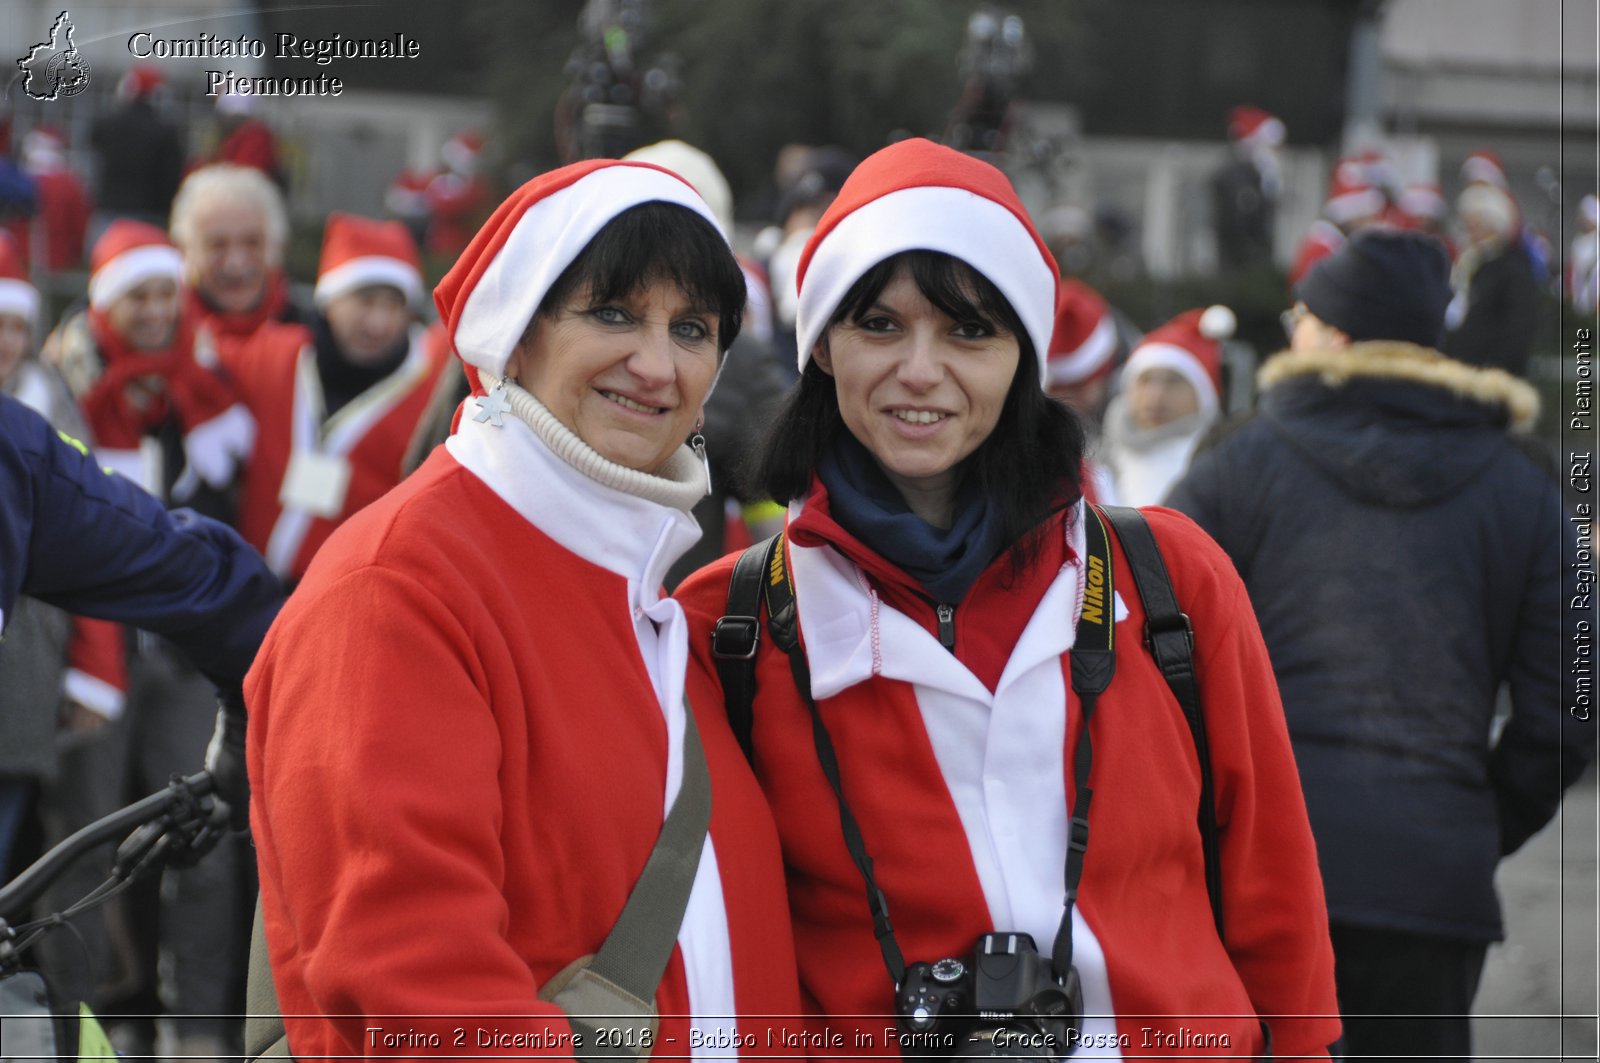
pixel 360 252
pixel 140 81
pixel 127 254
pixel 1252 126
pixel 1352 193
pixel 1379 170
pixel 920 196
pixel 1191 346
pixel 462 151
pixel 498 282
pixel 18 296
pixel 1085 337
pixel 44 149
pixel 1425 201
pixel 1483 167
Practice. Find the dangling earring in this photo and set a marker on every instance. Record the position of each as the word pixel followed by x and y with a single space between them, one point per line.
pixel 697 443
pixel 493 406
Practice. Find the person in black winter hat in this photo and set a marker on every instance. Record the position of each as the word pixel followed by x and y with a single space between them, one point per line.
pixel 1385 284
pixel 1403 547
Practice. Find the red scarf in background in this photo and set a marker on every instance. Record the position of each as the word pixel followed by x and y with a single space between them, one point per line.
pixel 243 323
pixel 139 390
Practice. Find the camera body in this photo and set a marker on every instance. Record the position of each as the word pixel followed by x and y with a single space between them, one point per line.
pixel 1003 1000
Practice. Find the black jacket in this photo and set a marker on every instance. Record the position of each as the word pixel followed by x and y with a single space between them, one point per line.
pixel 1404 555
pixel 1502 313
pixel 1244 215
pixel 141 161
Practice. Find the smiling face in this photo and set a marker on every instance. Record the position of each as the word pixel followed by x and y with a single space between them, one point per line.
pixel 230 255
pixel 628 376
pixel 919 389
pixel 146 316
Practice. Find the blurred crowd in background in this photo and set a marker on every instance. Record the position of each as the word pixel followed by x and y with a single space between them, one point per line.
pixel 150 230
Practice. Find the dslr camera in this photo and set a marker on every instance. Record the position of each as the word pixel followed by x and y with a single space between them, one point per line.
pixel 1002 1000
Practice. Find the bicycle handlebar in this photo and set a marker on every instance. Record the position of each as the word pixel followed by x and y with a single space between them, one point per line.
pixel 27 886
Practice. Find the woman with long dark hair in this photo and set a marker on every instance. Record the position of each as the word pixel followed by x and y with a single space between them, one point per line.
pixel 931 752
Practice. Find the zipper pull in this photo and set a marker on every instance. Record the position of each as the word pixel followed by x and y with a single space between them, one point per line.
pixel 947 626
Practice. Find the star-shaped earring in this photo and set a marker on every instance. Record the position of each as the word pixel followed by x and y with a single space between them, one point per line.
pixel 492 407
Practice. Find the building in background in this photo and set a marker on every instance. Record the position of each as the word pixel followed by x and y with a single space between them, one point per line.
pixel 338 153
pixel 1135 124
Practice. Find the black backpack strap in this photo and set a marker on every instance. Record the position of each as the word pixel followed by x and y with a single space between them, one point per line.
pixel 736 636
pixel 1171 641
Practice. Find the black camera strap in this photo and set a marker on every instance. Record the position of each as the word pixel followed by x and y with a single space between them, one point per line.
pixel 783 622
pixel 1093 663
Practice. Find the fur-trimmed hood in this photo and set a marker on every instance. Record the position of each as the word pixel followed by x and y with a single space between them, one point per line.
pixel 1393 360
pixel 1394 424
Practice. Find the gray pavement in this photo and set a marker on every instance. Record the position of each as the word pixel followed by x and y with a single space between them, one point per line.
pixel 1538 997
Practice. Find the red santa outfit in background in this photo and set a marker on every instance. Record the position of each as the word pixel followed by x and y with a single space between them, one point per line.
pixel 249 141
pixel 1422 207
pixel 226 331
pixel 131 399
pixel 1148 444
pixel 1083 347
pixel 1082 359
pixel 1354 201
pixel 129 394
pixel 456 197
pixel 406 200
pixel 1484 167
pixel 312 469
pixel 62 218
pixel 504 706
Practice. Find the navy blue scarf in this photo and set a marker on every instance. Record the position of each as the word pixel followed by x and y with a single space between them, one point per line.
pixel 863 501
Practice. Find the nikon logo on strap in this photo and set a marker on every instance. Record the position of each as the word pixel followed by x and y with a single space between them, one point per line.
pixel 1094 649
pixel 1094 595
pixel 1096 626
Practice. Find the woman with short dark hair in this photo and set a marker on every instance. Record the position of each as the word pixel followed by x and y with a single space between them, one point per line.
pixel 470 723
pixel 943 568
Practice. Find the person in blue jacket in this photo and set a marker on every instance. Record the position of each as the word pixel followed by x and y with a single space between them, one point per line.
pixel 88 541
pixel 84 539
pixel 1403 542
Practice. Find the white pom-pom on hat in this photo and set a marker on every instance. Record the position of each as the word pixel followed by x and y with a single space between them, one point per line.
pixel 1218 323
pixel 1189 345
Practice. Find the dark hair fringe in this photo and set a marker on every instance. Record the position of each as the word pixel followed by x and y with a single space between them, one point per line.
pixel 653 242
pixel 1029 467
